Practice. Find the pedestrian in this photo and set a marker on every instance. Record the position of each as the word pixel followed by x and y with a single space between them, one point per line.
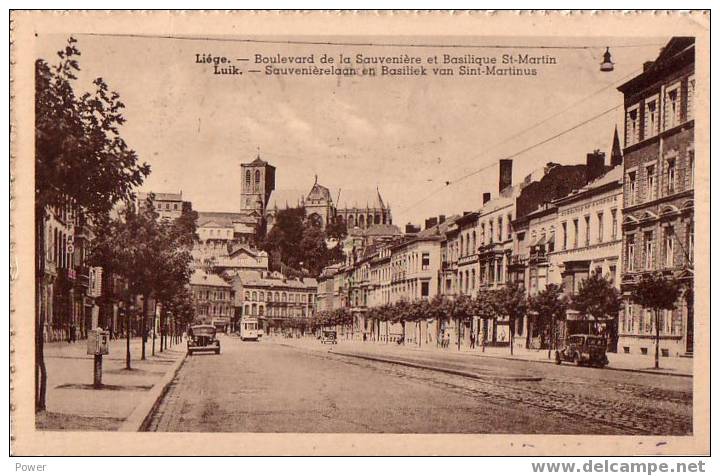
pixel 472 340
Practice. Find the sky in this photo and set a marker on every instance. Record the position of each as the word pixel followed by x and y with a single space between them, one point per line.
pixel 406 135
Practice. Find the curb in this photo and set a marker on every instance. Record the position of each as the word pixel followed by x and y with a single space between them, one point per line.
pixel 617 369
pixel 140 416
pixel 461 373
pixel 520 359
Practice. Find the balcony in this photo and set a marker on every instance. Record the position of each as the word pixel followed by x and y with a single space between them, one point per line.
pixel 518 261
pixel 83 276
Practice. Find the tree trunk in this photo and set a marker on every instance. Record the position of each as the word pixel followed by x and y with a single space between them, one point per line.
pixel 511 325
pixel 154 326
pixel 657 338
pixel 458 333
pixel 40 369
pixel 127 339
pixel 143 330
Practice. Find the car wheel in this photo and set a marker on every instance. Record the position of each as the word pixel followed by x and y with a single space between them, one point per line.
pixel 576 360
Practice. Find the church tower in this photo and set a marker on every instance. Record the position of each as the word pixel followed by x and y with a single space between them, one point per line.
pixel 258 182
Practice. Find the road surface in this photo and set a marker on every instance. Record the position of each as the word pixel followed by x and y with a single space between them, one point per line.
pixel 286 386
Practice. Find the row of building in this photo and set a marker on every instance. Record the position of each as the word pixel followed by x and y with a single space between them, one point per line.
pixel 629 217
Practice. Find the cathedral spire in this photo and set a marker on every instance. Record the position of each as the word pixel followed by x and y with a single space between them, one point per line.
pixel 616 157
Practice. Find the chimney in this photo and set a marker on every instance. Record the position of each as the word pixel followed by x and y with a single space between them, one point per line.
pixel 410 228
pixel 431 222
pixel 595 166
pixel 616 157
pixel 441 219
pixel 647 65
pixel 486 197
pixel 505 174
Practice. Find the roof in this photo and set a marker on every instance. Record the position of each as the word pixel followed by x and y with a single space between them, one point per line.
pixel 613 176
pixel 201 278
pixel 161 196
pixel 224 219
pixel 377 230
pixel 348 199
pixel 680 50
pixel 319 192
pixel 258 161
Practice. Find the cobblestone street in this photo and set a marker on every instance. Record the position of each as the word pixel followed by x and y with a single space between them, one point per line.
pixel 277 386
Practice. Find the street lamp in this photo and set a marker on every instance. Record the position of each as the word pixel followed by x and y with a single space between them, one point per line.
pixel 607 65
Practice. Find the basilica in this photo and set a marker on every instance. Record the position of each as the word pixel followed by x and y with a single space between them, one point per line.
pixel 323 206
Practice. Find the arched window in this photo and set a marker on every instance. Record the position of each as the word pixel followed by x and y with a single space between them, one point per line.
pixel 254 296
pixel 248 177
pixel 254 309
pixel 247 309
pixel 262 295
pixel 269 297
pixel 361 221
pixel 247 295
pixel 350 221
pixel 262 310
pixel 277 296
pixel 284 297
pixel 377 219
pixel 462 248
pixel 472 250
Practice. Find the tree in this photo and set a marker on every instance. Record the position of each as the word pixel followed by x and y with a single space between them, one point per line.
pixel 80 160
pixel 550 306
pixel 510 301
pixel 312 250
pixel 597 298
pixel 485 309
pixel 657 292
pixel 336 230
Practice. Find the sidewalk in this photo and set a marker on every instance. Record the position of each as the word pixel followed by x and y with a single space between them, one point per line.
pixel 72 402
pixel 678 366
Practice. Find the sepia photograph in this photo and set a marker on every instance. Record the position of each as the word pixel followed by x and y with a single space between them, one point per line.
pixel 482 229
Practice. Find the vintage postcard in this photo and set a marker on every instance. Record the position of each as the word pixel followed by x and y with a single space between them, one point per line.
pixel 360 233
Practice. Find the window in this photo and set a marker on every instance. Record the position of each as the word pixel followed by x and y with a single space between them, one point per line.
pixel 651 184
pixel 247 180
pixel 473 248
pixel 651 117
pixel 669 246
pixel 509 227
pixel 632 187
pixel 564 235
pixel 632 126
pixel 426 261
pixel 587 230
pixel 631 253
pixel 690 168
pixel 670 186
pixel 175 206
pixel 629 317
pixel 425 289
pixel 614 227
pixel 461 245
pixel 690 243
pixel 690 97
pixel 600 227
pixel 576 232
pixel 482 234
pixel 649 249
pixel 490 231
pixel 612 271
pixel 472 280
pixel 672 106
pixel 500 228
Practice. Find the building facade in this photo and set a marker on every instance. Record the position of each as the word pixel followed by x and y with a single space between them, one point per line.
pixel 213 299
pixel 658 208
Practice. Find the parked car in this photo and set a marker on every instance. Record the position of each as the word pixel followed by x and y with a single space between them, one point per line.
pixel 329 337
pixel 583 349
pixel 202 338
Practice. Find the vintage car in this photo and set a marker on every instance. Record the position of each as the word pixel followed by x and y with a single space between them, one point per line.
pixel 202 338
pixel 328 337
pixel 583 349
